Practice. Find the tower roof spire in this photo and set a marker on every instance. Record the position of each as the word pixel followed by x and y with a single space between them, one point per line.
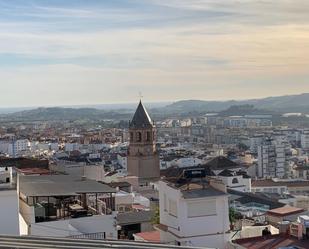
pixel 141 118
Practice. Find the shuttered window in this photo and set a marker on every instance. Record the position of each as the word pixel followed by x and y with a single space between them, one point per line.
pixel 202 208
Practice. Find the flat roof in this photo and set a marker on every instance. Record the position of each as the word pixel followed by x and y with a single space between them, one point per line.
pixel 134 217
pixel 200 193
pixel 286 210
pixel 60 185
pixel 194 188
pixel 271 183
pixel 33 171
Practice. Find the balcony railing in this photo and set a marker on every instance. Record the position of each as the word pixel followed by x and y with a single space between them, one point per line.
pixel 95 236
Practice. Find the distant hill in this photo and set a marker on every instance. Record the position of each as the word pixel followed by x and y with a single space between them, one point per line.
pixel 241 110
pixel 271 105
pixel 282 104
pixel 59 113
pixel 106 107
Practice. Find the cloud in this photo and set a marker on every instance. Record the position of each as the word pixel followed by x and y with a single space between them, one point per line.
pixel 168 49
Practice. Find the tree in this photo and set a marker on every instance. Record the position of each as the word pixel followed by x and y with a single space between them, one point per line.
pixel 232 215
pixel 156 216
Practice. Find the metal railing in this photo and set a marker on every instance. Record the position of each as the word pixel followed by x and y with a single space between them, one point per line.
pixel 94 236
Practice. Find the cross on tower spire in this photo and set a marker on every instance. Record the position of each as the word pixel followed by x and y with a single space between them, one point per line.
pixel 140 95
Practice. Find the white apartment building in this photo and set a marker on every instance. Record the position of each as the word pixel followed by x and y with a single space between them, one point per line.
pixel 8 203
pixel 255 142
pixel 20 145
pixel 14 147
pixel 69 147
pixel 271 160
pixel 239 181
pixel 194 213
pixel 305 140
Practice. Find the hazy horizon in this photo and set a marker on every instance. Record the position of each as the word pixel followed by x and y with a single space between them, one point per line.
pixel 129 105
pixel 64 53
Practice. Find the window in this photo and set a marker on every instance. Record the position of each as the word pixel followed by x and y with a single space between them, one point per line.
pixel 235 180
pixel 148 136
pixel 139 137
pixel 172 207
pixel 202 208
pixel 301 173
pixel 131 136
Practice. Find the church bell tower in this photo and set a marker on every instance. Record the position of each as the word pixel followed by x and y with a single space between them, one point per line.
pixel 143 159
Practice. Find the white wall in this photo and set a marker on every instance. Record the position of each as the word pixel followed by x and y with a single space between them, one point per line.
pixel 273 189
pixel 244 184
pixel 123 198
pixel 305 141
pixel 93 172
pixel 186 162
pixel 23 226
pixel 27 212
pixel 199 231
pixel 9 220
pixel 69 227
pixel 210 241
pixel 141 200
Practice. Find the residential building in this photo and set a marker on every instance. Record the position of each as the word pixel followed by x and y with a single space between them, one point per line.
pixel 291 186
pixel 63 206
pixel 271 160
pixel 305 140
pixel 275 216
pixel 130 223
pixel 236 180
pixel 193 210
pixel 255 142
pixel 8 203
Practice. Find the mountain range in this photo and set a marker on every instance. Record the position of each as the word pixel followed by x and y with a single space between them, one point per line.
pixel 281 104
pixel 271 105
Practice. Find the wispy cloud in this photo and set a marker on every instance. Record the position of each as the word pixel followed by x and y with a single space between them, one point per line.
pixel 159 46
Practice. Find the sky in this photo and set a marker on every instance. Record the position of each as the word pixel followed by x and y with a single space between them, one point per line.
pixel 74 52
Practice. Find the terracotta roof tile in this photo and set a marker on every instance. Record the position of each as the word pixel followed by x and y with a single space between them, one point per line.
pixel 272 242
pixel 153 236
pixel 286 210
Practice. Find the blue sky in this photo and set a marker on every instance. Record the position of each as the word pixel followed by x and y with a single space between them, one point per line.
pixel 55 52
